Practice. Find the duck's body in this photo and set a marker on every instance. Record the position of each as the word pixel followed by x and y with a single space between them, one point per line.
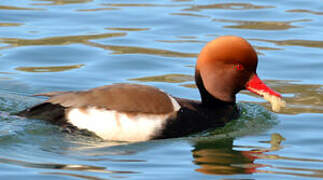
pixel 129 112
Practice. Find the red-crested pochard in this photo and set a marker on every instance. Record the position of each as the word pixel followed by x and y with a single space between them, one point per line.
pixel 131 112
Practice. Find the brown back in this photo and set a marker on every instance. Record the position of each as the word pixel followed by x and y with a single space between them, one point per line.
pixel 120 97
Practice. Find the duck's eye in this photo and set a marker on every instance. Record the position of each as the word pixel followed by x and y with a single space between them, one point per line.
pixel 238 67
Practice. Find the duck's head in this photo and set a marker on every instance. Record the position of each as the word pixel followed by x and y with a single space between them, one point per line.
pixel 227 65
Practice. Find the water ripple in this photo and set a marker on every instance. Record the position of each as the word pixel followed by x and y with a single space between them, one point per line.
pixel 18 8
pixel 49 69
pixel 59 2
pixel 228 6
pixel 305 11
pixel 58 40
pixel 261 25
pixel 140 50
pixel 294 42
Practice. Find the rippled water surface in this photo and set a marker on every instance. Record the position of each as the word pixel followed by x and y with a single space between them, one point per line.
pixel 50 45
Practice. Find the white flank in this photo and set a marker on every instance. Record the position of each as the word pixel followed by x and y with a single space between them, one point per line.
pixel 276 102
pixel 117 126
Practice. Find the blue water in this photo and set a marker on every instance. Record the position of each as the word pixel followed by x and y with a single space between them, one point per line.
pixel 56 45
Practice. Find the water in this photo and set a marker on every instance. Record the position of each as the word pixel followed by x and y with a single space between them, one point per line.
pixel 50 45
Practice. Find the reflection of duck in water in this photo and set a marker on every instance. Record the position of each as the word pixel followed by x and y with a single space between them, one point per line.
pixel 275 141
pixel 220 157
pixel 129 112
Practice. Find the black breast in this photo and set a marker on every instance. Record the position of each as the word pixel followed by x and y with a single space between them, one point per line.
pixel 194 117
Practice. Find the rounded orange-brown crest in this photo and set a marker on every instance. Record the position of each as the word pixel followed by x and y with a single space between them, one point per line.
pixel 224 66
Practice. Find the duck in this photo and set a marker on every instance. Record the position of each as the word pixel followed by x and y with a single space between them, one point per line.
pixel 135 112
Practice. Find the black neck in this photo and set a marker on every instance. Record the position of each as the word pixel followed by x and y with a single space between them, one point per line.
pixel 206 97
